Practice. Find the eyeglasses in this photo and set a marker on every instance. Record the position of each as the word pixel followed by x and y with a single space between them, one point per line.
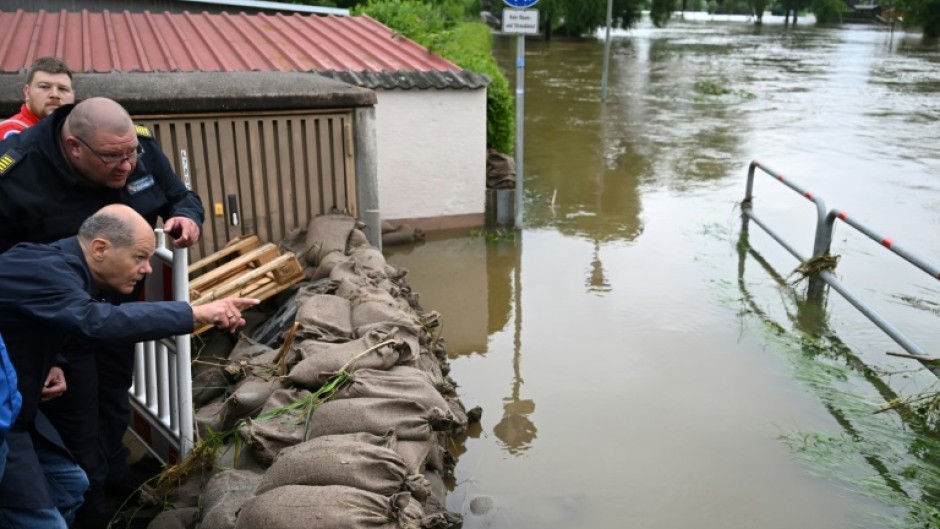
pixel 112 160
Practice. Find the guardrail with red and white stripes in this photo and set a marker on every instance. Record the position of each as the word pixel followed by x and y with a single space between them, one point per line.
pixel 825 225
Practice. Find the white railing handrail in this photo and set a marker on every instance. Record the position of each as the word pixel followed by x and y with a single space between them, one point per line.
pixel 162 377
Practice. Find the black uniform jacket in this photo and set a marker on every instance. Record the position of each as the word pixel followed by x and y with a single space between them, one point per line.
pixel 47 295
pixel 42 200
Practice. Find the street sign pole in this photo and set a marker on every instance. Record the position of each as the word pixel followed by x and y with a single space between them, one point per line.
pixel 520 21
pixel 520 125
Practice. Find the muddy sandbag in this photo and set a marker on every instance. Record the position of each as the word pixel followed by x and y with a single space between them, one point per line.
pixel 323 317
pixel 459 415
pixel 320 359
pixel 247 399
pixel 250 352
pixel 370 259
pixel 333 460
pixel 327 233
pixel 332 507
pixel 356 239
pixel 225 494
pixel 429 364
pixel 209 418
pixel 402 236
pixel 268 437
pixel 208 385
pixel 372 383
pixel 415 454
pixel 500 170
pixel 410 420
pixel 436 500
pixel 328 263
pixel 184 518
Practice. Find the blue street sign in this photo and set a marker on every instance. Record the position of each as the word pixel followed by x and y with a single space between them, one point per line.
pixel 520 3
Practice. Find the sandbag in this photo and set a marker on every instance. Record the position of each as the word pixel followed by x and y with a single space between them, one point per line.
pixel 184 518
pixel 327 263
pixel 335 460
pixel 209 417
pixel 208 385
pixel 325 234
pixel 370 259
pixel 268 437
pixel 332 507
pixel 323 317
pixel 320 360
pixel 252 353
pixel 371 383
pixel 410 420
pixel 225 494
pixel 247 399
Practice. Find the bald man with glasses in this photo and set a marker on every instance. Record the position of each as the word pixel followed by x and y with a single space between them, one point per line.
pixel 70 165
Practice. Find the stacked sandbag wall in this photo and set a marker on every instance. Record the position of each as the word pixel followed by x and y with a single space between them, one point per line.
pixel 374 453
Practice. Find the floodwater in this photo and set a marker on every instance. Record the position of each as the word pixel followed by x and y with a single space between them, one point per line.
pixel 641 361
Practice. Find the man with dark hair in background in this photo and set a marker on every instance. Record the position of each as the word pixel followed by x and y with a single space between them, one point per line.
pixel 48 86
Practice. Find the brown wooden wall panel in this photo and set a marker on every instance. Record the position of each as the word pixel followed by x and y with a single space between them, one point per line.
pixel 281 169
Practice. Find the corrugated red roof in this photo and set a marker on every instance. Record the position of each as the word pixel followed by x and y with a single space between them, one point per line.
pixel 187 42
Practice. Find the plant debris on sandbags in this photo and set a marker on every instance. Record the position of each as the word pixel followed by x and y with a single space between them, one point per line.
pixel 378 349
pixel 247 399
pixel 339 460
pixel 266 438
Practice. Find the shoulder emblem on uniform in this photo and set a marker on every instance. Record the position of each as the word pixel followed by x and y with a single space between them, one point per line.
pixel 8 160
pixel 143 131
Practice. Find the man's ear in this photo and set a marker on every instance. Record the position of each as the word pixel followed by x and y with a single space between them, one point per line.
pixel 99 248
pixel 25 91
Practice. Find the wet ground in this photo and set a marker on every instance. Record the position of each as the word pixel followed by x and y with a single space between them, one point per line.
pixel 638 366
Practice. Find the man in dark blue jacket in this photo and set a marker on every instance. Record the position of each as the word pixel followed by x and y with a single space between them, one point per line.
pixel 49 292
pixel 52 177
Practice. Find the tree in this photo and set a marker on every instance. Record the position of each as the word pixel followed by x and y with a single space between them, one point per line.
pixel 660 11
pixel 924 13
pixel 576 18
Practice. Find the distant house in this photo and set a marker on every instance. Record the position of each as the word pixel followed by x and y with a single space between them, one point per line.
pixel 430 116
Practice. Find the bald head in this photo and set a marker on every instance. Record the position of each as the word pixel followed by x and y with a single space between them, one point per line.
pixel 116 223
pixel 99 114
pixel 117 244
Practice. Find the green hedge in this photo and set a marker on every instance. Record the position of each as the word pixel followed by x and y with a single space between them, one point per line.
pixel 466 44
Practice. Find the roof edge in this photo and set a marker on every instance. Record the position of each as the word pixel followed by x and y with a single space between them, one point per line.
pixel 149 93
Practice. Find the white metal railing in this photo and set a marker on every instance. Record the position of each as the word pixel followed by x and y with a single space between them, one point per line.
pixel 163 387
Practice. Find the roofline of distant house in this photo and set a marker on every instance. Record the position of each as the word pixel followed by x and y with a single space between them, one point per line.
pixel 261 4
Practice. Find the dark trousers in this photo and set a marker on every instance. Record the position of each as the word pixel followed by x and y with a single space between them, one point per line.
pixel 94 412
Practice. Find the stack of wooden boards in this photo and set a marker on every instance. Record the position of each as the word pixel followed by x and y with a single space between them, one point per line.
pixel 245 267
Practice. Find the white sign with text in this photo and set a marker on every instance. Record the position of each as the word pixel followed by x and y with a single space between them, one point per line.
pixel 521 21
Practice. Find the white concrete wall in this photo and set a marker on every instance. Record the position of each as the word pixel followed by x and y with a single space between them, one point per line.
pixel 431 152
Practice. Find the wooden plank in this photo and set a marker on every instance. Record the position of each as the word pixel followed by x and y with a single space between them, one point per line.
pixel 238 245
pixel 263 254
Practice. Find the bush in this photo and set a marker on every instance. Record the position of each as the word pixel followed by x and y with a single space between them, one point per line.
pixel 467 44
pixel 828 11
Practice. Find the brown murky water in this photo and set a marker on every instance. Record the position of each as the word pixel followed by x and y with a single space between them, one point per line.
pixel 635 367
